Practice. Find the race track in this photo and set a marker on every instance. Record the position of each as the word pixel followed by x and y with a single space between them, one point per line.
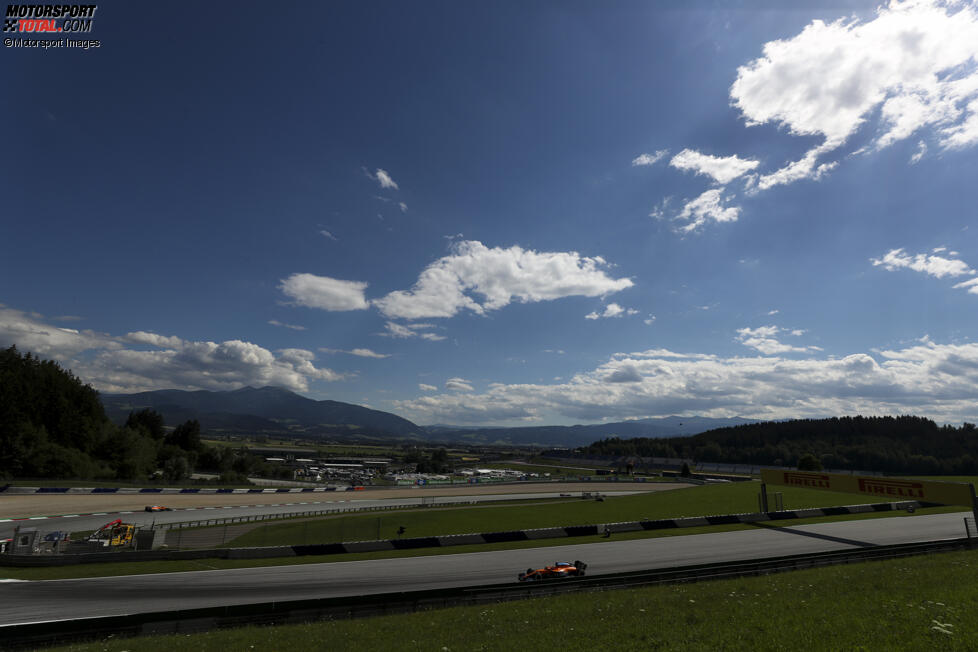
pixel 26 602
pixel 89 512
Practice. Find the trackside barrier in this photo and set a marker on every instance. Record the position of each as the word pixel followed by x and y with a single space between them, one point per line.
pixel 52 632
pixel 606 529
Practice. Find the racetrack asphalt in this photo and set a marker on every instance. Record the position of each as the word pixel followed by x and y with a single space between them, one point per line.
pixel 40 601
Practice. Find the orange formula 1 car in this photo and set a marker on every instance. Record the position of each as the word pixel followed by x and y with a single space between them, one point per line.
pixel 560 570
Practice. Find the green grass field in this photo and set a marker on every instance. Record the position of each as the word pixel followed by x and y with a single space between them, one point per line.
pixel 702 500
pixel 918 603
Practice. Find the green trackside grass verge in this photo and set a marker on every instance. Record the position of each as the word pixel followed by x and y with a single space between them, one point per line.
pixel 702 500
pixel 918 603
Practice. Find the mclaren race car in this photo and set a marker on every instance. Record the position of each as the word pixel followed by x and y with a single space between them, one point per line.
pixel 560 570
pixel 158 508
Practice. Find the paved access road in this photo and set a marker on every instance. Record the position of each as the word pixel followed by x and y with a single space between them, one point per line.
pixel 50 600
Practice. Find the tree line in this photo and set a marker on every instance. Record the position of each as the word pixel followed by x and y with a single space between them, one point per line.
pixel 54 426
pixel 902 444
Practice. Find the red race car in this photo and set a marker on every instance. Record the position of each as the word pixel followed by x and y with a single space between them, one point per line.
pixel 560 570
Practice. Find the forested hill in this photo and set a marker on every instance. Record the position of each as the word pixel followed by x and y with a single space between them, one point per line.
pixel 905 444
pixel 50 423
pixel 54 426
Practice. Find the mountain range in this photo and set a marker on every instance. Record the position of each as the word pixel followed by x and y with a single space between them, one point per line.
pixel 277 411
pixel 582 435
pixel 265 411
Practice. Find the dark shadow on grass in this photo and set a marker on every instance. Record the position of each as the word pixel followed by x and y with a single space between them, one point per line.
pixel 815 535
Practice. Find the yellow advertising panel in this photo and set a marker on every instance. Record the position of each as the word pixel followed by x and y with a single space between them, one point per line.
pixel 889 489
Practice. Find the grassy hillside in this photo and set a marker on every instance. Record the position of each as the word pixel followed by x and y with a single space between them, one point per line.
pixel 919 603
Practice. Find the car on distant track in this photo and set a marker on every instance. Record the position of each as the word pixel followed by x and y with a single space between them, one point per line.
pixel 560 570
pixel 158 508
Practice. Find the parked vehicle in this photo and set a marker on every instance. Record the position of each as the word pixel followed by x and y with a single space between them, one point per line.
pixel 114 534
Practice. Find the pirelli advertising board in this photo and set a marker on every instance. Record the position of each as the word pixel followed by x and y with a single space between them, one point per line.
pixel 890 489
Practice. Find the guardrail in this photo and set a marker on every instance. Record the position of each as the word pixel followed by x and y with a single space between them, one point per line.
pixel 187 621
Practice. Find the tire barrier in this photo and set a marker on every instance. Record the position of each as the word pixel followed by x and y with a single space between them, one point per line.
pixel 449 540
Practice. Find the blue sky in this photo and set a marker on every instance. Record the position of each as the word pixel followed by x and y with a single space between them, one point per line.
pixel 508 212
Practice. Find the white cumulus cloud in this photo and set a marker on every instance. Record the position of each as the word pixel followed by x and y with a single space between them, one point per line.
pixel 707 207
pixel 458 385
pixel 367 353
pixel 650 159
pixel 940 381
pixel 764 339
pixel 361 353
pixel 404 331
pixel 481 279
pixel 142 361
pixel 932 265
pixel 383 178
pixel 28 332
pixel 723 170
pixel 325 293
pixel 275 322
pixel 972 286
pixel 611 310
pixel 913 65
